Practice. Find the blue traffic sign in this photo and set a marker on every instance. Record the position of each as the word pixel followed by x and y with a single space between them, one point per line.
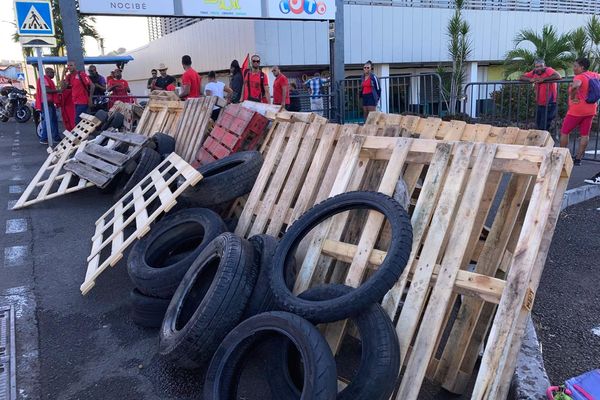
pixel 34 18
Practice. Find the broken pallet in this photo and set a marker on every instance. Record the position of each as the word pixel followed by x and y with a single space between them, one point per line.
pixel 81 132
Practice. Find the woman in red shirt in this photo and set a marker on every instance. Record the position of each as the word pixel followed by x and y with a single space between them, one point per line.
pixel 370 90
pixel 119 88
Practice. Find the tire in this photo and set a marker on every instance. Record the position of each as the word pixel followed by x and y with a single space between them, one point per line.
pixel 319 365
pixel 209 302
pixel 379 366
pixel 370 291
pixel 163 143
pixel 261 299
pixel 116 121
pixel 147 311
pixel 157 262
pixel 226 179
pixel 147 161
pixel 101 115
pixel 23 114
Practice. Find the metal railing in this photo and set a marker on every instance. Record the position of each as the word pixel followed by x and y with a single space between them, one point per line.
pixel 402 94
pixel 525 105
pixel 552 6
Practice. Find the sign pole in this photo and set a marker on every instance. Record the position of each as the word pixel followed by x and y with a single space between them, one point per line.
pixel 42 76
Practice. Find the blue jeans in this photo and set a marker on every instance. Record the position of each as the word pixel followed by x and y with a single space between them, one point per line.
pixel 545 115
pixel 53 125
pixel 80 108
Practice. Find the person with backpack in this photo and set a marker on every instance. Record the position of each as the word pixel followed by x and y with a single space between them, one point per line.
pixel 256 83
pixel 80 85
pixel 370 91
pixel 584 94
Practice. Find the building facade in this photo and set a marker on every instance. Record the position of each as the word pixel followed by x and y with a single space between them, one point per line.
pixel 162 26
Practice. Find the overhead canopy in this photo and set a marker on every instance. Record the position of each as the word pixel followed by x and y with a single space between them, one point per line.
pixel 86 60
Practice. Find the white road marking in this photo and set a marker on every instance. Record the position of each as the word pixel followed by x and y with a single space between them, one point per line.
pixel 15 189
pixel 596 331
pixel 16 167
pixel 16 225
pixel 16 178
pixel 15 256
pixel 11 204
pixel 15 153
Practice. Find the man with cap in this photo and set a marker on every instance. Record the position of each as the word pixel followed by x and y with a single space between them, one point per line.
pixel 163 80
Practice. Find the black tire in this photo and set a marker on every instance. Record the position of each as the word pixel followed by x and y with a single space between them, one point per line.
pixel 319 365
pixel 157 262
pixel 261 299
pixel 3 118
pixel 147 161
pixel 379 366
pixel 163 143
pixel 226 179
pixel 370 291
pixel 147 311
pixel 209 302
pixel 101 115
pixel 116 121
pixel 23 114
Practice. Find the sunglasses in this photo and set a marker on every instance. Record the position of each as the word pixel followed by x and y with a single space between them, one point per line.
pixel 255 61
pixel 366 67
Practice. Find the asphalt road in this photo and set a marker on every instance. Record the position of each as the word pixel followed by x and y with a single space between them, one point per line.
pixel 567 306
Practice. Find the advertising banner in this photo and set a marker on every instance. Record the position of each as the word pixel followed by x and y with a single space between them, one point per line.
pixel 222 8
pixel 127 7
pixel 301 9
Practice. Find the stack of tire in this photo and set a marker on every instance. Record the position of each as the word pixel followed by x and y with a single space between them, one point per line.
pixel 158 262
pixel 237 296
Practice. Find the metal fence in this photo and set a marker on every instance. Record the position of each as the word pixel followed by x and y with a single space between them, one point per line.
pixel 553 6
pixel 402 94
pixel 525 105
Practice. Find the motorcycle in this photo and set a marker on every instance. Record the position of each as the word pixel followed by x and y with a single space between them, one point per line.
pixel 14 103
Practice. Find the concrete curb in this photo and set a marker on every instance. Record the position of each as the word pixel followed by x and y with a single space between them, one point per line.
pixel 530 380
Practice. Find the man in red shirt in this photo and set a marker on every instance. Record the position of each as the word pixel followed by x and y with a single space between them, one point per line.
pixel 190 80
pixel 580 113
pixel 256 83
pixel 119 89
pixel 80 85
pixel 546 93
pixel 51 94
pixel 281 88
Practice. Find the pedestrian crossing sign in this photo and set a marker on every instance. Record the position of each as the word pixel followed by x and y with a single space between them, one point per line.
pixel 34 18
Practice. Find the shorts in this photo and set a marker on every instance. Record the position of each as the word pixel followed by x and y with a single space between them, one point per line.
pixel 369 100
pixel 573 121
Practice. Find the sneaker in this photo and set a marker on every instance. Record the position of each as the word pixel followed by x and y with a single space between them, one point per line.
pixel 577 161
pixel 44 142
pixel 594 180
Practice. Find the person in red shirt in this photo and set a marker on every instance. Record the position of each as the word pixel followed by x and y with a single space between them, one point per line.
pixel 580 113
pixel 281 88
pixel 51 94
pixel 256 83
pixel 80 85
pixel 546 93
pixel 370 89
pixel 119 89
pixel 190 80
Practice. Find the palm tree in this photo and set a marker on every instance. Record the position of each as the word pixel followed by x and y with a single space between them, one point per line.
pixel 459 48
pixel 86 29
pixel 592 29
pixel 553 48
pixel 579 42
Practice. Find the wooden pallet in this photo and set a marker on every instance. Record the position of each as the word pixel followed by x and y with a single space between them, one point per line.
pixel 130 218
pixel 193 126
pixel 81 132
pixel 461 181
pixel 161 114
pixel 100 164
pixel 52 180
pixel 129 116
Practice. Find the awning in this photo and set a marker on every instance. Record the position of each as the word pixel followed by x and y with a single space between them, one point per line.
pixel 86 60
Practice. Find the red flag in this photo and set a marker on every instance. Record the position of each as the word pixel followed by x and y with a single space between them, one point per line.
pixel 245 64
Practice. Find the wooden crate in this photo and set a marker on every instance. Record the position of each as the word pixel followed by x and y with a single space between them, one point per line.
pixel 130 218
pixel 100 164
pixel 193 126
pixel 81 132
pixel 160 115
pixel 129 116
pixel 460 183
pixel 52 180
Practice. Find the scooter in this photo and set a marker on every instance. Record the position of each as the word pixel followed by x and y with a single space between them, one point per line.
pixel 14 103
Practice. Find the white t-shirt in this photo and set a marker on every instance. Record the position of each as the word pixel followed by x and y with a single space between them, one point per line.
pixel 216 89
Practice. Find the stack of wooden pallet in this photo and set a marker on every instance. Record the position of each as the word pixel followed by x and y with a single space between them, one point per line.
pixel 460 286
